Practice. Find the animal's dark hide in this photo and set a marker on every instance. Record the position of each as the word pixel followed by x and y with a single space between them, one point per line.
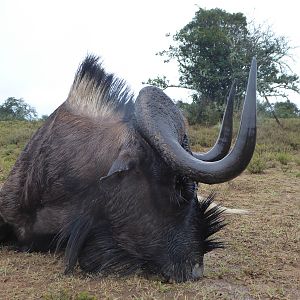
pixel 97 251
pixel 92 182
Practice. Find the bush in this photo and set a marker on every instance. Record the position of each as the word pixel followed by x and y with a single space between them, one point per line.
pixel 16 109
pixel 201 112
pixel 257 165
pixel 283 158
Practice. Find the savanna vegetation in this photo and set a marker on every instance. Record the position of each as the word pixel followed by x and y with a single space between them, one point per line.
pixel 214 49
pixel 16 109
pixel 261 258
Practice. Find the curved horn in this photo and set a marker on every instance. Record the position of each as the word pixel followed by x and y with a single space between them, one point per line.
pixel 161 123
pixel 222 145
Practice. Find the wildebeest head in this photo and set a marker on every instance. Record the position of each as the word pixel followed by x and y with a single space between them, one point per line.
pixel 117 179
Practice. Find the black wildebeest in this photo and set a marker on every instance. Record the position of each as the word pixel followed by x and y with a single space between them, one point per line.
pixel 112 180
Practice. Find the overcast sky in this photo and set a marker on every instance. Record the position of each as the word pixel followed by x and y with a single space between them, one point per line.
pixel 43 42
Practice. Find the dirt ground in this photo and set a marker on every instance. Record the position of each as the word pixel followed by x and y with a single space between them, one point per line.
pixel 261 260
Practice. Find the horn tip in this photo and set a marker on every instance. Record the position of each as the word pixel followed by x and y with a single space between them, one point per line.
pixel 253 63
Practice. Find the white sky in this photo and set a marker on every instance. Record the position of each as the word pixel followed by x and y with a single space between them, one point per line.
pixel 43 42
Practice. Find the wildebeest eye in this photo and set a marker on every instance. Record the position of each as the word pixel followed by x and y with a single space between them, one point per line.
pixel 185 187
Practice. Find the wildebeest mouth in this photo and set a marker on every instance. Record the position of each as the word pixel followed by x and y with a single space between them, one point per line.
pixel 193 273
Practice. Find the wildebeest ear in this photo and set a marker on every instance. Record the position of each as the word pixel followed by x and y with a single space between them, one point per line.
pixel 124 162
pixel 119 165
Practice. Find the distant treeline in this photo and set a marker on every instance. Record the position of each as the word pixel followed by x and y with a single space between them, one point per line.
pixel 18 109
pixel 198 112
pixel 210 113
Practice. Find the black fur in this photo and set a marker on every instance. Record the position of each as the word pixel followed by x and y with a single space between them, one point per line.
pixel 114 91
pixel 90 179
pixel 91 243
pixel 212 223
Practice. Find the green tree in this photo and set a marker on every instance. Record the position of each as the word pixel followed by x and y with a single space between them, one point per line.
pixel 16 109
pixel 201 112
pixel 44 117
pixel 283 109
pixel 286 109
pixel 263 109
pixel 216 47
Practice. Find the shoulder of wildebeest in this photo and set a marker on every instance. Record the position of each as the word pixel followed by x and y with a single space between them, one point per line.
pixel 74 148
pixel 113 181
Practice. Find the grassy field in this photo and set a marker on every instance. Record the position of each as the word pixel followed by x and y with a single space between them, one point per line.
pixel 262 257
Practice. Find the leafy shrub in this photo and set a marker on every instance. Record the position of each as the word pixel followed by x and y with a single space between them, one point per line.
pixel 201 112
pixel 16 109
pixel 257 165
pixel 283 158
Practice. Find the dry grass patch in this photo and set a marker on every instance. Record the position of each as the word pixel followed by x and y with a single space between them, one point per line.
pixel 261 260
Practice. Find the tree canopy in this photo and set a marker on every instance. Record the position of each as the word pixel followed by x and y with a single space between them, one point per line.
pixel 217 46
pixel 286 109
pixel 16 109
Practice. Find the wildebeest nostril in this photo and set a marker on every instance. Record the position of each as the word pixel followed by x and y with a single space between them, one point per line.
pixel 197 271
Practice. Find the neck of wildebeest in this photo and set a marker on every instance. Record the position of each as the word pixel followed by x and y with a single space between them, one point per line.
pixel 92 143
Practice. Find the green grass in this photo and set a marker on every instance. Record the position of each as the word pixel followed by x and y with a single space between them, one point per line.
pixel 13 137
pixel 283 158
pixel 261 260
pixel 274 144
pixel 68 295
pixel 257 164
pixel 17 132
